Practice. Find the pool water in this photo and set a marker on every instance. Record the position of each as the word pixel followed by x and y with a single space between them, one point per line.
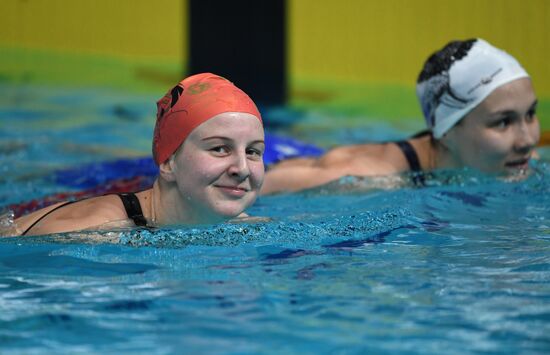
pixel 459 266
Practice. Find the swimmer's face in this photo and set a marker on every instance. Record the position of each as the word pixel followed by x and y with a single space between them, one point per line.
pixel 500 134
pixel 219 168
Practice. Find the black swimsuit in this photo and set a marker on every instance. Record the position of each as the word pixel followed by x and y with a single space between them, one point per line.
pixel 410 155
pixel 412 158
pixel 133 208
pixel 129 200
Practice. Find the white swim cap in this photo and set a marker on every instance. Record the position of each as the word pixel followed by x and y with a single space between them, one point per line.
pixel 457 78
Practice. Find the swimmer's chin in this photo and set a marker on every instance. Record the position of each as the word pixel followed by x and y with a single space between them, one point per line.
pixel 245 218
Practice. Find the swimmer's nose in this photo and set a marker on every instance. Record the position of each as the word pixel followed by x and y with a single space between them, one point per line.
pixel 527 136
pixel 239 166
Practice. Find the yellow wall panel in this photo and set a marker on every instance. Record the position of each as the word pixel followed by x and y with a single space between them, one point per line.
pixel 388 41
pixel 125 28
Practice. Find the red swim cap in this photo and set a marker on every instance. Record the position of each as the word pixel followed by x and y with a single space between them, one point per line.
pixel 193 101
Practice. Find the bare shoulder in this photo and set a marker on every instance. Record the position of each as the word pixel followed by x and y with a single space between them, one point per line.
pixel 79 215
pixel 365 159
pixel 342 154
pixel 349 160
pixel 103 207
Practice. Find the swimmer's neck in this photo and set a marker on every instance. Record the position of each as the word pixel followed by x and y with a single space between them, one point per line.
pixel 428 151
pixel 433 155
pixel 164 205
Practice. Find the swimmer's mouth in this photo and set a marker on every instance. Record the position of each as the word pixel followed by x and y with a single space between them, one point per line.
pixel 233 187
pixel 233 190
pixel 518 164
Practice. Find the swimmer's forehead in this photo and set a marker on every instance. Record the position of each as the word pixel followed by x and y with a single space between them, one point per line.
pixel 231 125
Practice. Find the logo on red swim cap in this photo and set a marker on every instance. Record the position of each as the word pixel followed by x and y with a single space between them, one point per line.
pixel 198 88
pixel 193 101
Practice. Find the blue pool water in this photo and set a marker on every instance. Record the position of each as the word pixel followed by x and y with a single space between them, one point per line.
pixel 460 266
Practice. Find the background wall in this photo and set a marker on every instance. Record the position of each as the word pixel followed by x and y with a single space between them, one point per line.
pixel 388 41
pixel 364 56
pixel 129 44
pixel 356 57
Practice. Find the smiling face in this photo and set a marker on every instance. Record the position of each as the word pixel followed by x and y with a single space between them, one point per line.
pixel 500 134
pixel 219 168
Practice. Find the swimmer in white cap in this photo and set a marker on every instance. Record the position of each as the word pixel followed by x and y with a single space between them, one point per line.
pixel 480 109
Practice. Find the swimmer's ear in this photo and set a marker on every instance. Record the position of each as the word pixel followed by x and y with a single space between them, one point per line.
pixel 167 169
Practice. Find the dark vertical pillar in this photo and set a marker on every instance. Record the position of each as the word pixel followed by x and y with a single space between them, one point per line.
pixel 244 41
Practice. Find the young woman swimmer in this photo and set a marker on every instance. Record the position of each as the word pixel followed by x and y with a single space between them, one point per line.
pixel 208 143
pixel 480 109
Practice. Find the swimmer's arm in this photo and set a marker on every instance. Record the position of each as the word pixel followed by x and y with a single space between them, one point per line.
pixel 295 178
pixel 358 160
pixel 303 173
pixel 299 174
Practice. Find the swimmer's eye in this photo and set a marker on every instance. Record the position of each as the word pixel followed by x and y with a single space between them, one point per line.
pixel 502 123
pixel 220 150
pixel 531 115
pixel 254 153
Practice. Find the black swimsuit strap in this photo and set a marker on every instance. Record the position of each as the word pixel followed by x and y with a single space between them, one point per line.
pixel 46 214
pixel 412 158
pixel 410 155
pixel 133 208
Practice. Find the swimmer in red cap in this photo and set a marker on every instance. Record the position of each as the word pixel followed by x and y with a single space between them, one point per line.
pixel 480 109
pixel 208 144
